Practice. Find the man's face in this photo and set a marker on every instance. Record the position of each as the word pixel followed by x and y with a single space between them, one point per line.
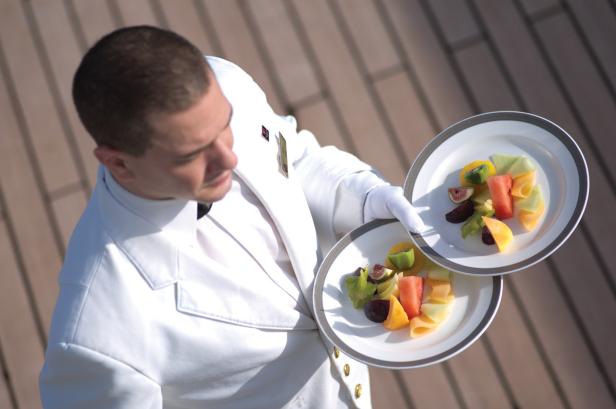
pixel 191 153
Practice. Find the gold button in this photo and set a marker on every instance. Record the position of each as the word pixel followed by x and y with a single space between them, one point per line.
pixel 347 369
pixel 357 391
pixel 336 352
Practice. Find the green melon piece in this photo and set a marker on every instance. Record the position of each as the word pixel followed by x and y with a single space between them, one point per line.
pixel 513 165
pixel 532 202
pixel 402 260
pixel 436 272
pixel 436 312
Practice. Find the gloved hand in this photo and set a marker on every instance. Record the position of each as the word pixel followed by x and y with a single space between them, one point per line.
pixel 386 202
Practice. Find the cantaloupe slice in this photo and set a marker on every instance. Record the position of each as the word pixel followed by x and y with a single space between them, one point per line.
pixel 532 202
pixel 529 220
pixel 523 185
pixel 500 232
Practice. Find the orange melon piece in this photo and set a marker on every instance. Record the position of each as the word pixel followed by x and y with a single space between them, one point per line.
pixel 420 258
pixel 523 185
pixel 529 220
pixel 500 231
pixel 396 318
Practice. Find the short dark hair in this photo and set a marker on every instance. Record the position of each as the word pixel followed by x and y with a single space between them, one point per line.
pixel 130 75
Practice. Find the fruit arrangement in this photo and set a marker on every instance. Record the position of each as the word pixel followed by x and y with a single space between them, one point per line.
pixel 494 190
pixel 406 290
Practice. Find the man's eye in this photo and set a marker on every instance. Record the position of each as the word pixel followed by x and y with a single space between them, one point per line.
pixel 186 159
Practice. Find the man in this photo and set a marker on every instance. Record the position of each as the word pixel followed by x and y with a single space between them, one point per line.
pixel 161 309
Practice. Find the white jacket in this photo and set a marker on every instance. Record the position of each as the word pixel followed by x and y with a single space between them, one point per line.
pixel 145 321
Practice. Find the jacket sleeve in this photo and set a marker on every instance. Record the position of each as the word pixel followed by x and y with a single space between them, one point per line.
pixel 76 377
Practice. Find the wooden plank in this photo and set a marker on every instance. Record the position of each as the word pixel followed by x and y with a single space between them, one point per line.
pixel 568 355
pixel 478 381
pixel 68 209
pixel 423 53
pixel 456 21
pixel 425 384
pixel 239 46
pixel 489 86
pixel 583 83
pixel 19 338
pixel 385 390
pixel 318 118
pixel 485 80
pixel 348 89
pixel 5 393
pixel 535 7
pixel 50 148
pixel 55 28
pixel 94 20
pixel 530 382
pixel 25 208
pixel 598 23
pixel 406 113
pixel 527 69
pixel 372 40
pixel 136 12
pixel 593 301
pixel 183 18
pixel 289 59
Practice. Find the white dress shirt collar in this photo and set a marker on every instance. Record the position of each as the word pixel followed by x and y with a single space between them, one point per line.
pixel 175 217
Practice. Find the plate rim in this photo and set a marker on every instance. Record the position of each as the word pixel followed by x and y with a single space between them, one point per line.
pixel 551 128
pixel 330 334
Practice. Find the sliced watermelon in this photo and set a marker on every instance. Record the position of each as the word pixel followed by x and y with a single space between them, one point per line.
pixel 500 191
pixel 411 293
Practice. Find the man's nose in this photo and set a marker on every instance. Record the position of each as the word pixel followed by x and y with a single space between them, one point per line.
pixel 222 156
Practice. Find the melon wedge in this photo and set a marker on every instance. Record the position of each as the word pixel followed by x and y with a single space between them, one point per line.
pixel 500 231
pixel 396 318
pixel 523 185
pixel 529 220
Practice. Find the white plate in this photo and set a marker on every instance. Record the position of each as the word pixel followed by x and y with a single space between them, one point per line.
pixel 561 172
pixel 476 302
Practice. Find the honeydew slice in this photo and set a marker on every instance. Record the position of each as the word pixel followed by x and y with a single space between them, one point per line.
pixel 532 202
pixel 523 185
pixel 513 165
pixel 529 220
pixel 436 272
pixel 435 311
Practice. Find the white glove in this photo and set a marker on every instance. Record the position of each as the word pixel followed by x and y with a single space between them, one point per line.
pixel 387 202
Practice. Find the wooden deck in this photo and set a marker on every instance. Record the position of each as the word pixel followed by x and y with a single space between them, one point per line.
pixel 378 78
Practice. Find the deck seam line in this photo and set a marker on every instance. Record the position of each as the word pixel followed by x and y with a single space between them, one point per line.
pixel 266 58
pixel 500 373
pixel 376 101
pixel 386 73
pixel 577 317
pixel 116 14
pixel 52 86
pixel 467 42
pixel 208 28
pixel 22 272
pixel 410 71
pixel 566 96
pixel 535 339
pixel 8 379
pixel 546 13
pixel 587 44
pixel 320 76
pixel 159 14
pixel 404 390
pixel 29 149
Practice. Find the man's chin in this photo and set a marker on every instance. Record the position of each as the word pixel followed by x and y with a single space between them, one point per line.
pixel 213 194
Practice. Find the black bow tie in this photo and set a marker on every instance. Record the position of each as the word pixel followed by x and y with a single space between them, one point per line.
pixel 202 209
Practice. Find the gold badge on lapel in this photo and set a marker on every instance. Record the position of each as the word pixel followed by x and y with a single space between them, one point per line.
pixel 283 165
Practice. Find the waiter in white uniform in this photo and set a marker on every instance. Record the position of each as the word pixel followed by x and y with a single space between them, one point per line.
pixel 188 280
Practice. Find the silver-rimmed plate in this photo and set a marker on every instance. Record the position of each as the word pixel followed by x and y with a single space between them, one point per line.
pixel 476 302
pixel 561 172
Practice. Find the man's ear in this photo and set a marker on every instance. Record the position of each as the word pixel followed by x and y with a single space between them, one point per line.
pixel 115 161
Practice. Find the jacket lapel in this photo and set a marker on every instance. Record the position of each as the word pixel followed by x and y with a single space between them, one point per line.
pixel 284 200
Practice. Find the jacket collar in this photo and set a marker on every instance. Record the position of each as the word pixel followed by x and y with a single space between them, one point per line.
pixel 130 219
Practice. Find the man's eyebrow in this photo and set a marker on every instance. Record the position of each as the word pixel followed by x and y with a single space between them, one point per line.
pixel 186 155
